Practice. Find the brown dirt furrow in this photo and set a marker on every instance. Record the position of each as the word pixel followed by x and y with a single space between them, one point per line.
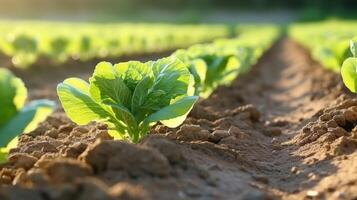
pixel 285 130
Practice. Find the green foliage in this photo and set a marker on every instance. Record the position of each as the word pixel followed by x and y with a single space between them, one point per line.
pixel 26 41
pixel 130 97
pixel 329 44
pixel 15 117
pixel 349 74
pixel 349 69
pixel 328 41
pixel 220 62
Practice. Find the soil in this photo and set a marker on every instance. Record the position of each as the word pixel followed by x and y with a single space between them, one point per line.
pixel 285 130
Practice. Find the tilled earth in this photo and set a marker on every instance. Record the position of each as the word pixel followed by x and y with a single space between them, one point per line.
pixel 285 130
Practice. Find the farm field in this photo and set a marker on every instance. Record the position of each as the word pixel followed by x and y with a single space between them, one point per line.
pixel 213 111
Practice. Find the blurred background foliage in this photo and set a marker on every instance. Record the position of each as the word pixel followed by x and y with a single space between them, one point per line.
pixel 178 10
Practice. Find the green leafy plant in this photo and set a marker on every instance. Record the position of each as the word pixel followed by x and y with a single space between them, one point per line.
pixel 196 66
pixel 349 68
pixel 214 65
pixel 131 97
pixel 24 49
pixel 15 117
pixel 28 41
pixel 210 67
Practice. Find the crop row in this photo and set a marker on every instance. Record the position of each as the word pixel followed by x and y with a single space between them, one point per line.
pixel 130 97
pixel 333 44
pixel 27 41
pixel 328 41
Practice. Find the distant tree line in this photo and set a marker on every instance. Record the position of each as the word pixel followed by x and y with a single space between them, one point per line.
pixel 244 4
pixel 308 7
pixel 179 4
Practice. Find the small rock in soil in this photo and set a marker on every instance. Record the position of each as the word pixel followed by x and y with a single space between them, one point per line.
pixel 22 160
pixel 192 133
pixel 325 117
pixel 232 140
pixel 340 120
pixel 42 146
pixel 332 124
pixel 74 150
pixel 272 132
pixel 234 130
pixel 338 131
pixel 217 135
pixel 350 116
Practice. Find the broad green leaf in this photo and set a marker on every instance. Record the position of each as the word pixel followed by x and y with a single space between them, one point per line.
pixel 132 72
pixel 349 74
pixel 201 69
pixel 231 71
pixel 78 105
pixel 20 121
pixel 169 115
pixel 124 115
pixel 171 75
pixel 106 85
pixel 140 96
pixel 198 69
pixel 7 95
pixel 12 144
pixel 171 79
pixel 43 109
pixel 215 66
pixel 116 135
pixel 191 90
pixel 79 84
pixel 342 51
pixel 12 95
pixel 21 93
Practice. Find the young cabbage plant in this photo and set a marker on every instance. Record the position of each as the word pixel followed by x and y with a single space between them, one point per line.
pixel 220 69
pixel 15 117
pixel 23 49
pixel 131 97
pixel 196 66
pixel 349 68
pixel 208 67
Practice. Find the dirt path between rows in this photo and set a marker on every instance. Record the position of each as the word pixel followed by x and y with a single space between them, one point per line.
pixel 285 130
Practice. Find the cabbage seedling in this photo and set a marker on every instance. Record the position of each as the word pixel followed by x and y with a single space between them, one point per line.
pixel 349 68
pixel 15 117
pixel 130 97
